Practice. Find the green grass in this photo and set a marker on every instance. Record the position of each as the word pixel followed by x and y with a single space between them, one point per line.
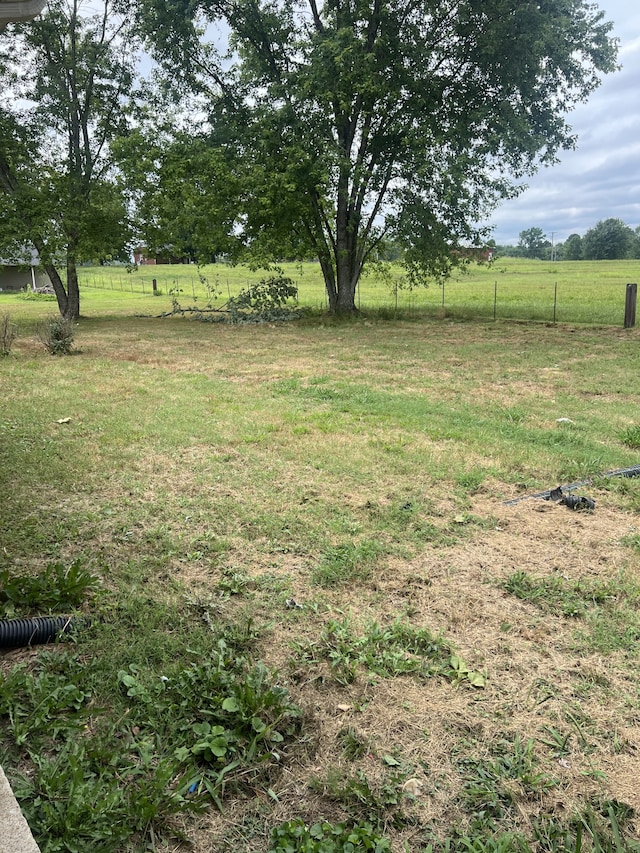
pixel 280 533
pixel 591 292
pixel 610 609
pixel 574 292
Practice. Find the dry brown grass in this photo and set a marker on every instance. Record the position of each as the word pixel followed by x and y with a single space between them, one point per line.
pixel 537 672
pixel 273 459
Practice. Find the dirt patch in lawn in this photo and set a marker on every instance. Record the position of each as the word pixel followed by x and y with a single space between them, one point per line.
pixel 549 681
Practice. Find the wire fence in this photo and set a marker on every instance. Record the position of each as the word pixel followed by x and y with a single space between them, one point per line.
pixel 506 297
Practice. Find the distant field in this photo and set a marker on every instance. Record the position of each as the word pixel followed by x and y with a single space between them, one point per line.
pixel 590 292
pixel 577 292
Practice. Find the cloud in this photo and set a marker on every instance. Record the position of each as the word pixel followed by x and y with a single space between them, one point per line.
pixel 600 178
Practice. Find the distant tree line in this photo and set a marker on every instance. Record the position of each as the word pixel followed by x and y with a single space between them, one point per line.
pixel 608 240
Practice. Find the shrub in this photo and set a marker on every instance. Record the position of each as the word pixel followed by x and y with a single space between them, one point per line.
pixel 56 334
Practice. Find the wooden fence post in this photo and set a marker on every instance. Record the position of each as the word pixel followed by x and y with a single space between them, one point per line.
pixel 630 306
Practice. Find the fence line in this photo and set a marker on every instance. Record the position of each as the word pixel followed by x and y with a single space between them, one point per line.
pixel 503 298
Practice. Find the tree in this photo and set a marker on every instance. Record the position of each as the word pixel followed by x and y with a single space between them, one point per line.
pixel 63 104
pixel 573 248
pixel 354 120
pixel 532 242
pixel 609 239
pixel 183 191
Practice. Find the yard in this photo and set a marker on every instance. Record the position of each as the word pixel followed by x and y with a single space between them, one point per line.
pixel 305 606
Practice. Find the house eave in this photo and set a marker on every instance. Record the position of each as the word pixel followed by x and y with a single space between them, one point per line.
pixel 19 10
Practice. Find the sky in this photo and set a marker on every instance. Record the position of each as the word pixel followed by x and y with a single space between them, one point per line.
pixel 600 179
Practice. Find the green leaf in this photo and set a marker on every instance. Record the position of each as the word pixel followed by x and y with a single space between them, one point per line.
pixel 258 725
pixel 458 664
pixel 477 679
pixel 230 704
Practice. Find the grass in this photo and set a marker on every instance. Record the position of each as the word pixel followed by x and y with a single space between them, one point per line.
pixel 314 621
pixel 591 292
pixel 578 292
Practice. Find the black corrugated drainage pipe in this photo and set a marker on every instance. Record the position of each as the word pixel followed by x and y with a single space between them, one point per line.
pixel 28 632
pixel 633 471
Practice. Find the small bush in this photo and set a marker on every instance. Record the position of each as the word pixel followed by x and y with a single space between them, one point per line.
pixel 37 296
pixel 56 334
pixel 7 334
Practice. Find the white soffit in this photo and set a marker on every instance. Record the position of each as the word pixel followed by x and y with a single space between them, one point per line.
pixel 19 10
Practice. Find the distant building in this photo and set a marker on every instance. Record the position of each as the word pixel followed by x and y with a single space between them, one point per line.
pixel 141 258
pixel 23 273
pixel 480 254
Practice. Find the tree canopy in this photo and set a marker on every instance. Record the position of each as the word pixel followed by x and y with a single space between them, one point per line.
pixel 352 121
pixel 329 129
pixel 610 239
pixel 62 104
pixel 533 242
pixel 573 248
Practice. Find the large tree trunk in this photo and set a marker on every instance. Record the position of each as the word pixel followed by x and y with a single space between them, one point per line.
pixel 347 271
pixel 72 311
pixel 58 288
pixel 68 297
pixel 346 296
pixel 340 285
pixel 339 247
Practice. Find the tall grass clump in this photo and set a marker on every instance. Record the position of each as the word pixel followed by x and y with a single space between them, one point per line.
pixel 631 436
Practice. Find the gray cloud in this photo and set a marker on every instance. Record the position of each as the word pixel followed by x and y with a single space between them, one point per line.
pixel 601 177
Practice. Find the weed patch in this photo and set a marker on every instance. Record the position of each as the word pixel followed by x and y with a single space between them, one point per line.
pixel 556 595
pixel 379 801
pixel 397 649
pixel 495 785
pixel 325 837
pixel 58 588
pixel 155 740
pixel 611 609
pixel 631 436
pixel 347 563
